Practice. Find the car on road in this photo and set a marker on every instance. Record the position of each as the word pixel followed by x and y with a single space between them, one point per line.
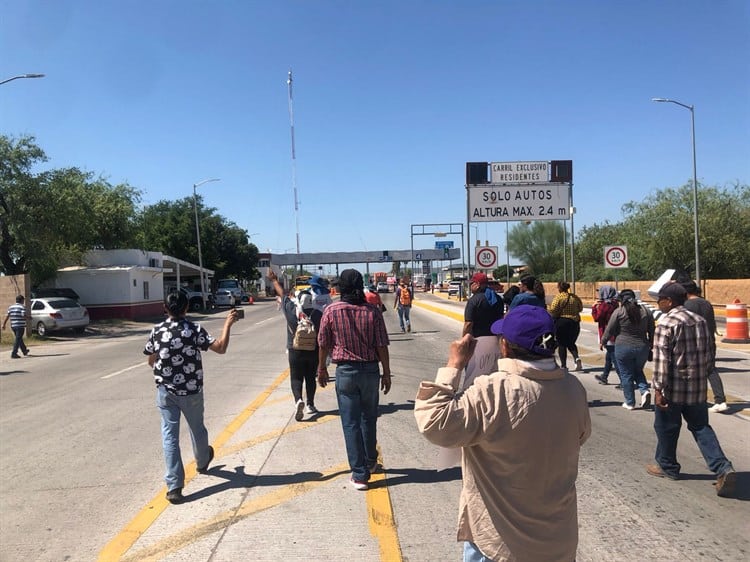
pixel 454 287
pixel 382 287
pixel 233 286
pixel 51 314
pixel 224 297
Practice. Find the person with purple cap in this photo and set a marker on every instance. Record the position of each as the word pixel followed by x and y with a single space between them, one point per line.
pixel 520 429
pixel 682 359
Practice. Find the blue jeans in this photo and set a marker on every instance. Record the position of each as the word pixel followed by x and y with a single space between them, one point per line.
pixel 667 425
pixel 357 393
pixel 473 554
pixel 18 341
pixel 630 362
pixel 403 316
pixel 170 407
pixel 610 362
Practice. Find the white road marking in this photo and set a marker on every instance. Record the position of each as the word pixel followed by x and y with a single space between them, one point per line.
pixel 125 370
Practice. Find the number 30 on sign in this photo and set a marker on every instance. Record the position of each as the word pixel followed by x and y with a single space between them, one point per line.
pixel 486 257
pixel 615 257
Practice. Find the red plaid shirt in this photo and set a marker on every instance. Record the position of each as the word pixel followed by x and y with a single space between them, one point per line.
pixel 352 332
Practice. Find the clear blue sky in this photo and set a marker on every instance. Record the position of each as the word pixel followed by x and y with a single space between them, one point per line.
pixel 391 99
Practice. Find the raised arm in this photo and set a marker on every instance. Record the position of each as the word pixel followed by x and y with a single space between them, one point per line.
pixel 276 285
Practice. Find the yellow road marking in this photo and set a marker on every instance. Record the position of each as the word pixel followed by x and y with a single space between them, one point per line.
pixel 381 521
pixel 127 537
pixel 174 543
pixel 448 313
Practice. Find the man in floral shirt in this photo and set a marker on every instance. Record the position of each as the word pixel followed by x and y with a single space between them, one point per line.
pixel 174 351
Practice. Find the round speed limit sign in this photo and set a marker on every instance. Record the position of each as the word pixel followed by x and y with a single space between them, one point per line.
pixel 615 257
pixel 486 257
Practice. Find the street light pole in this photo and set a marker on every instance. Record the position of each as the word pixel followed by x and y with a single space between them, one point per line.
pixel 21 76
pixel 695 186
pixel 198 236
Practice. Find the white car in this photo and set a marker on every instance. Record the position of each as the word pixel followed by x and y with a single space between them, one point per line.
pixel 50 314
pixel 454 287
pixel 224 297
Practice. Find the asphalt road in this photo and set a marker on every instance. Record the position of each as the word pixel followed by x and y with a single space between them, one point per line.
pixel 80 454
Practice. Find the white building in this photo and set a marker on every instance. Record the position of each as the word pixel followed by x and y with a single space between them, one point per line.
pixel 125 283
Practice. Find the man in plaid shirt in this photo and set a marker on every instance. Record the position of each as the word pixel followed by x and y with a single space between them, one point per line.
pixel 681 362
pixel 354 334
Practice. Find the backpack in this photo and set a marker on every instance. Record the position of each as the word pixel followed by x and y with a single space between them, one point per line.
pixel 404 296
pixel 305 338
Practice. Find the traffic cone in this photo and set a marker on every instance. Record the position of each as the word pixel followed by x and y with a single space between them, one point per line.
pixel 250 300
pixel 737 328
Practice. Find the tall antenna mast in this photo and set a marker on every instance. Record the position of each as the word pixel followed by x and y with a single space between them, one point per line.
pixel 294 159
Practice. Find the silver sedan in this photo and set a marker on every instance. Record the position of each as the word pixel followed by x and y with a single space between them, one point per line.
pixel 50 314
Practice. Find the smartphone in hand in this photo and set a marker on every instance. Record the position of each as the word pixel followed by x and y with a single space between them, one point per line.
pixel 240 313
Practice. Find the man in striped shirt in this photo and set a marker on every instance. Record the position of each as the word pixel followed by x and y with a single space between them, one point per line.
pixel 682 357
pixel 353 332
pixel 17 316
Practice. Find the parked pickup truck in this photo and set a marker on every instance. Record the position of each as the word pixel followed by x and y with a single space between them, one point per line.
pixel 233 286
pixel 195 300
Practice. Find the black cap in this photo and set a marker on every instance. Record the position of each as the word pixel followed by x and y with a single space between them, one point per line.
pixel 673 291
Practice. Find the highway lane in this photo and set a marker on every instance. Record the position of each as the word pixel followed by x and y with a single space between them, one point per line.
pixel 81 454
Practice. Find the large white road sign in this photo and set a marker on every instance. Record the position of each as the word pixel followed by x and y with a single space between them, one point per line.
pixel 499 203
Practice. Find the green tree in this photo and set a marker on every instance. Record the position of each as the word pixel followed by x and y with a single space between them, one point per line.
pixel 540 246
pixel 169 227
pixel 502 272
pixel 589 252
pixel 52 218
pixel 658 232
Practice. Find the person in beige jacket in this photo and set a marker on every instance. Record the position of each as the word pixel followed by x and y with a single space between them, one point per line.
pixel 521 429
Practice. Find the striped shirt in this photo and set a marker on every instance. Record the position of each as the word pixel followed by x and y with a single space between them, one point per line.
pixel 681 356
pixel 352 332
pixel 17 314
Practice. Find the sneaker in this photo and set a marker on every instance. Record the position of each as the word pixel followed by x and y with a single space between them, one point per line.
pixel 375 467
pixel 311 409
pixel 175 496
pixel 601 379
pixel 726 484
pixel 403 331
pixel 645 400
pixel 358 484
pixel 15 356
pixel 204 469
pixel 627 406
pixel 719 407
pixel 25 353
pixel 656 470
pixel 579 365
pixel 299 409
